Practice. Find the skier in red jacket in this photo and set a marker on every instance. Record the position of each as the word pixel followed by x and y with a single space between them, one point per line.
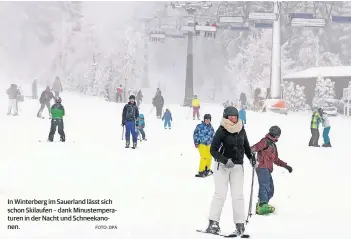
pixel 267 155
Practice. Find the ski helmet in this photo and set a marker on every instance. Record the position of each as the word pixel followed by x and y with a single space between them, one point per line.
pixel 207 116
pixel 230 111
pixel 58 100
pixel 275 131
pixel 132 97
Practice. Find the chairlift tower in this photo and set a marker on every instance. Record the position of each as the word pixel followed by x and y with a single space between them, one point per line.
pixel 191 8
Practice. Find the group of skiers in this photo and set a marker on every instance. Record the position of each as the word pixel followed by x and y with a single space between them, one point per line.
pixel 121 94
pixel 227 146
pixel 319 116
pixel 56 111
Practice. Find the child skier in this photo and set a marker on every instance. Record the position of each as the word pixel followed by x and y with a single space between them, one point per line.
pixel 141 126
pixel 167 117
pixel 326 126
pixel 267 155
pixel 203 135
pixel 57 113
pixel 242 114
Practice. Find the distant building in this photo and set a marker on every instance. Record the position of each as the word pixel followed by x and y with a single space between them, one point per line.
pixel 341 75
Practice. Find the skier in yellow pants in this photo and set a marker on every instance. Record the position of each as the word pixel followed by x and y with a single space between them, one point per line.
pixel 203 135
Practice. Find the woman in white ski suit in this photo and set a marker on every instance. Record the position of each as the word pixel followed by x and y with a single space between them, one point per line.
pixel 228 148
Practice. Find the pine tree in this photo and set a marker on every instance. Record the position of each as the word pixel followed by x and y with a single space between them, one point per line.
pixel 324 92
pixel 300 99
pixel 289 94
pixel 295 97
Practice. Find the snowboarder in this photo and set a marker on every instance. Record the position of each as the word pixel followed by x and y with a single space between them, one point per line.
pixel 158 103
pixel 228 147
pixel 316 119
pixel 326 130
pixel 57 113
pixel 141 126
pixel 57 86
pixel 196 107
pixel 13 93
pixel 44 100
pixel 203 135
pixel 119 94
pixel 34 89
pixel 242 115
pixel 167 117
pixel 267 155
pixel 139 98
pixel 130 117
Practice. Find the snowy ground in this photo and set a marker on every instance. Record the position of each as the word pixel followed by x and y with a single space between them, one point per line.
pixel 153 187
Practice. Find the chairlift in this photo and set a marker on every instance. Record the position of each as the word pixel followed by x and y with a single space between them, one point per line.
pixel 157 36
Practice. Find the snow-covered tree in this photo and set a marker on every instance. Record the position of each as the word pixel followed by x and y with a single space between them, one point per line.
pixel 324 92
pixel 294 96
pixel 255 65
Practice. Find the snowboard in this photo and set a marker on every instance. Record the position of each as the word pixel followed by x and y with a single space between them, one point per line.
pixel 225 235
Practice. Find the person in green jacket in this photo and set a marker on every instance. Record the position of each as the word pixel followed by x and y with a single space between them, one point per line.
pixel 316 120
pixel 57 113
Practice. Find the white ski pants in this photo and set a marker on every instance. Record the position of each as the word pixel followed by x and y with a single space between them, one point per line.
pixel 222 178
pixel 12 105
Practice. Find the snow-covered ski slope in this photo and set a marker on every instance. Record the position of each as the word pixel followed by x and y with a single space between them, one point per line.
pixel 153 187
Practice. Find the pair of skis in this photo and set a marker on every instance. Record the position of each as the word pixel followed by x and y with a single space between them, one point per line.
pixel 227 236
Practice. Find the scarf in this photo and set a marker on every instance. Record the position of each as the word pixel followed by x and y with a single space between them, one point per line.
pixel 230 126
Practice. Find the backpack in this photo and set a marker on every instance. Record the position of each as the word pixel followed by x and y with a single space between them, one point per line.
pixel 130 114
pixel 268 144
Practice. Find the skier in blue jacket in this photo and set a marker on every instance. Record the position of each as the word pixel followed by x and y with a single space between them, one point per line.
pixel 141 126
pixel 242 115
pixel 167 117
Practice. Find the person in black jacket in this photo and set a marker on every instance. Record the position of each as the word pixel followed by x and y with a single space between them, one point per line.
pixel 130 117
pixel 158 103
pixel 44 100
pixel 228 148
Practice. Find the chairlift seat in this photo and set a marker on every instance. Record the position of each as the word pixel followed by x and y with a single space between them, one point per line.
pixel 158 35
pixel 206 28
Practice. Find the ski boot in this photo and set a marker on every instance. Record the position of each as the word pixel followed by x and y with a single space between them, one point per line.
pixel 213 228
pixel 134 145
pixel 239 232
pixel 127 144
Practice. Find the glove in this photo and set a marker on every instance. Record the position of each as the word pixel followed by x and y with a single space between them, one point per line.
pixel 196 145
pixel 253 160
pixel 229 163
pixel 287 167
pixel 123 123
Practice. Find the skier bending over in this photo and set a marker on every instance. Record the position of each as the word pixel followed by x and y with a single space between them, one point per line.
pixel 57 113
pixel 267 155
pixel 130 117
pixel 228 147
pixel 203 135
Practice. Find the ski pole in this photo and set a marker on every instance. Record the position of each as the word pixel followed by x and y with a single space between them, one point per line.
pixel 188 113
pixel 249 214
pixel 151 109
pixel 123 133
